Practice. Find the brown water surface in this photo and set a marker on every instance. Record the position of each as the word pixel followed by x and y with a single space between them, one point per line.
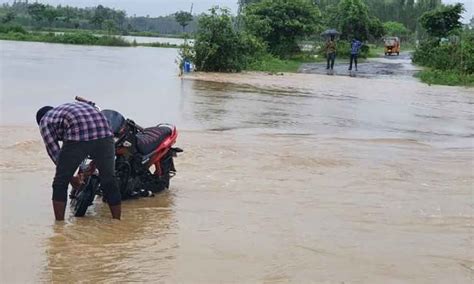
pixel 296 178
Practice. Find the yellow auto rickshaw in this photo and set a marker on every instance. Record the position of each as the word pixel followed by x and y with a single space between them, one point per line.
pixel 392 45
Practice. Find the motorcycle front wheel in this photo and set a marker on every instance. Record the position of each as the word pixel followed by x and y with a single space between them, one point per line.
pixel 85 197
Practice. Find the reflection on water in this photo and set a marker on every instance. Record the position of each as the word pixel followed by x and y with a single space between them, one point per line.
pixel 291 178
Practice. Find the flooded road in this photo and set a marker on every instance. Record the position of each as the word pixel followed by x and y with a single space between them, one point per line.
pixel 388 67
pixel 296 178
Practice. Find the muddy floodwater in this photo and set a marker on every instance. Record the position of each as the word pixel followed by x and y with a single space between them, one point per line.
pixel 299 178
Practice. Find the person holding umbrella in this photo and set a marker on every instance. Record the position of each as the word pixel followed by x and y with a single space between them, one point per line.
pixel 330 48
pixel 330 52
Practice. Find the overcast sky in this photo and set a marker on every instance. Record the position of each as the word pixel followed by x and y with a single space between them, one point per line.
pixel 166 7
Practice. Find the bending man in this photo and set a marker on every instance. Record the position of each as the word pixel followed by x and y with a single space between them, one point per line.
pixel 84 132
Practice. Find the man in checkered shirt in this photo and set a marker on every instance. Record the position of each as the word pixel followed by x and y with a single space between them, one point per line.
pixel 84 131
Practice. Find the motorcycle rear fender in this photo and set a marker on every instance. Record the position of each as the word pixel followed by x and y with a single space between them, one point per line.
pixel 156 156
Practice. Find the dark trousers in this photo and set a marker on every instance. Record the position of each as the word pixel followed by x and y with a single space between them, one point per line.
pixel 353 59
pixel 72 153
pixel 331 58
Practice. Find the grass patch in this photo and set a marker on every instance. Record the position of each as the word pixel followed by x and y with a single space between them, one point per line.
pixel 375 51
pixel 269 63
pixel 159 44
pixel 154 34
pixel 78 38
pixel 448 78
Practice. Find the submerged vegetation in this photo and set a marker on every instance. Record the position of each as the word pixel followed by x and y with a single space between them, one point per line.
pixel 81 38
pixel 85 38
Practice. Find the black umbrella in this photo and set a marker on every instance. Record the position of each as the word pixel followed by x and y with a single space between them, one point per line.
pixel 330 32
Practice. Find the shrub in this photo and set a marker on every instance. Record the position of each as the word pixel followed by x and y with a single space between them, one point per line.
pixel 12 29
pixel 112 41
pixel 77 38
pixel 280 23
pixel 16 36
pixel 449 78
pixel 442 21
pixel 219 47
pixel 456 55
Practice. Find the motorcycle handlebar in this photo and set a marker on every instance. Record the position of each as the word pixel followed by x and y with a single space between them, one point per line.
pixel 83 100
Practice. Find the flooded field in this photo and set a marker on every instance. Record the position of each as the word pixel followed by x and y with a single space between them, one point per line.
pixel 296 178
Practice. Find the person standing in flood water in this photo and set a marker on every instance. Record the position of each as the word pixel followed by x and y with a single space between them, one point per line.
pixel 330 52
pixel 355 49
pixel 84 132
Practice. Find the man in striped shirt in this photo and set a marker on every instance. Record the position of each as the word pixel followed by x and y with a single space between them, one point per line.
pixel 84 131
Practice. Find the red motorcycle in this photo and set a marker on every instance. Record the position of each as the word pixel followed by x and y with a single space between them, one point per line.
pixel 144 161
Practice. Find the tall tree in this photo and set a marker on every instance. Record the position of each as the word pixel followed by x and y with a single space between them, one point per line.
pixel 218 44
pixel 110 26
pixel 440 22
pixel 353 20
pixel 50 14
pixel 244 3
pixel 183 18
pixel 280 23
pixel 36 11
pixel 9 16
pixel 100 15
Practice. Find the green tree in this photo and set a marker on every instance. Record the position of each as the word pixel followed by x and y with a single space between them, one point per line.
pixel 183 18
pixel 110 26
pixel 406 12
pixel 244 3
pixel 280 23
pixel 395 29
pixel 219 46
pixel 9 16
pixel 36 11
pixel 440 22
pixel 50 14
pixel 100 15
pixel 376 29
pixel 353 20
pixel 120 18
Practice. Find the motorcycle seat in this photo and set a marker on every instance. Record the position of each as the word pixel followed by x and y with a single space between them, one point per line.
pixel 149 140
